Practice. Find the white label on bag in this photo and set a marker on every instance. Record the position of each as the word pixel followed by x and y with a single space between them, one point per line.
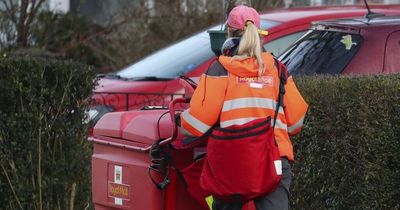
pixel 278 167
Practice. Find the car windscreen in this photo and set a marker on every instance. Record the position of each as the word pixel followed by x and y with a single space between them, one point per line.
pixel 174 60
pixel 321 52
pixel 177 59
pixel 266 24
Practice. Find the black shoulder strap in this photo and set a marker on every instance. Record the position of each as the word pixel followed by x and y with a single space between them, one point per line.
pixel 216 69
pixel 283 75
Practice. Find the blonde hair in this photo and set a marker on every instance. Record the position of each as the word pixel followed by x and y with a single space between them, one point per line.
pixel 250 46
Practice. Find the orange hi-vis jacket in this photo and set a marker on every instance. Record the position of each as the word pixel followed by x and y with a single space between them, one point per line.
pixel 233 94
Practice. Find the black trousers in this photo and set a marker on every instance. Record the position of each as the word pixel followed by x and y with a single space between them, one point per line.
pixel 277 200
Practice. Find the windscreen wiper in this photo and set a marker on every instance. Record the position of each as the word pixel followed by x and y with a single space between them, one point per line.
pixel 151 78
pixel 110 76
pixel 188 80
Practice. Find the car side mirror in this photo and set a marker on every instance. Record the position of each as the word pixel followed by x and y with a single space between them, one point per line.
pixel 217 39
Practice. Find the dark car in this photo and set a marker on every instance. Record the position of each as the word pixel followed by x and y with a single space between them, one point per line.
pixel 347 46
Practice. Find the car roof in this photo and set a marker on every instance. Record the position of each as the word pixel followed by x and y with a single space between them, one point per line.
pixel 305 13
pixel 362 22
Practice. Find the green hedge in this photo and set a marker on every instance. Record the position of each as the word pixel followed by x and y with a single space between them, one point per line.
pixel 348 154
pixel 44 155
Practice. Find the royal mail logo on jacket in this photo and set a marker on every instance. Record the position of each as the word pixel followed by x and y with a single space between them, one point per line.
pixel 264 80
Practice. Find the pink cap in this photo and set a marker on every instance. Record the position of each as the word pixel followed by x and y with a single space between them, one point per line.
pixel 240 15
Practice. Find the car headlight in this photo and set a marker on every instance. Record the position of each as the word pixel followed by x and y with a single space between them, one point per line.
pixel 95 113
pixel 92 113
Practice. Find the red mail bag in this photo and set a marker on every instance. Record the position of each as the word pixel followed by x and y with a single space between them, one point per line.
pixel 242 161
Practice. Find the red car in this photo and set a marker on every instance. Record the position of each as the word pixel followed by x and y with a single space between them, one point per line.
pixel 154 79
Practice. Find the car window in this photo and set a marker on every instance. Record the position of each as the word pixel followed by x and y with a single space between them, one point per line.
pixel 179 58
pixel 321 52
pixel 174 60
pixel 392 52
pixel 279 45
pixel 266 24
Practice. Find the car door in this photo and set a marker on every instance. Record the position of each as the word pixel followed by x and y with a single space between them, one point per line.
pixel 392 53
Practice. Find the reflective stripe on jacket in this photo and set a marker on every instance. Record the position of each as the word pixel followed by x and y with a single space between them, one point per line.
pixel 237 95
